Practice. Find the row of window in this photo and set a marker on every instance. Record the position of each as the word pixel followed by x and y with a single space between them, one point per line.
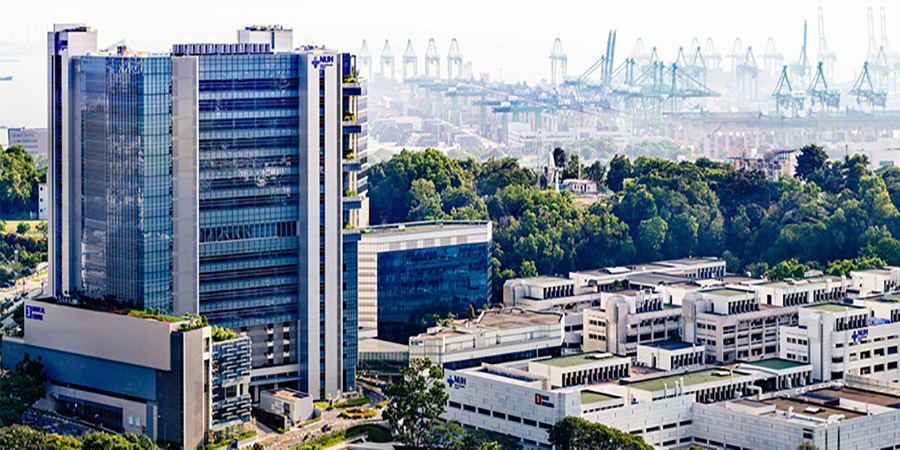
pixel 500 415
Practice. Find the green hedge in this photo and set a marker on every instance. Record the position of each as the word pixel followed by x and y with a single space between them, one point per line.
pixel 358 413
pixel 310 422
pixel 245 435
pixel 362 401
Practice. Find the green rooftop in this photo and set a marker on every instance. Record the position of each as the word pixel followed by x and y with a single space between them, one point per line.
pixel 576 360
pixel 775 364
pixel 833 307
pixel 588 397
pixel 690 379
pixel 875 271
pixel 726 292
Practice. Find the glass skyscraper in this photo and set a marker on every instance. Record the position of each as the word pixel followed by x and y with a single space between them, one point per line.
pixel 410 272
pixel 219 179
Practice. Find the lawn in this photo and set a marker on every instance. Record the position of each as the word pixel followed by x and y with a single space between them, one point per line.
pixel 32 233
pixel 374 433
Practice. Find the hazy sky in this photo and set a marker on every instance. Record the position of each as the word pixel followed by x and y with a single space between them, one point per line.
pixel 512 36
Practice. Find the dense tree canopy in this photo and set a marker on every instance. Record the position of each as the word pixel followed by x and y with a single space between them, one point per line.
pixel 19 178
pixel 838 216
pixel 575 433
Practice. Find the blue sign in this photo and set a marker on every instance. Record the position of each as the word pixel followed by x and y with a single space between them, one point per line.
pixel 456 382
pixel 322 61
pixel 34 312
pixel 860 334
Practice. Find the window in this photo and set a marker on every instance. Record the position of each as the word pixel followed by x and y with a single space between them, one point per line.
pixel 486 412
pixel 529 422
pixel 455 405
pixel 499 415
pixel 513 418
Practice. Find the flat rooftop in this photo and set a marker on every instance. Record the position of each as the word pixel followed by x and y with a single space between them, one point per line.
pixel 775 364
pixel 875 271
pixel 669 345
pixel 577 360
pixel 513 318
pixel 288 394
pixel 726 292
pixel 833 307
pixel 656 278
pixel 810 409
pixel 690 379
pixel 423 226
pixel 381 346
pixel 550 281
pixel 594 397
pixel 875 398
pixel 791 282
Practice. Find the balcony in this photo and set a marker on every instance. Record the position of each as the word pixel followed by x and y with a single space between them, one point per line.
pixel 351 124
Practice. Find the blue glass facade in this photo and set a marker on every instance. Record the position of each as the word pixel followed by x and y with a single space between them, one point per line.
pixel 414 285
pixel 349 313
pixel 126 166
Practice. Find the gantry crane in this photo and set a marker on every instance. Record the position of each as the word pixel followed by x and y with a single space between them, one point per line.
pixel 737 54
pixel 365 59
pixel 712 56
pixel 772 58
pixel 865 91
pixel 558 62
pixel 410 62
pixel 825 54
pixel 432 61
pixel 387 60
pixel 800 70
pixel 454 61
pixel 786 99
pixel 748 76
pixel 819 93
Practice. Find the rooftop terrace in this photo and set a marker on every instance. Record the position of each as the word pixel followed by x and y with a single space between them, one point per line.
pixel 775 364
pixel 588 397
pixel 726 292
pixel 690 379
pixel 669 345
pixel 577 360
pixel 833 307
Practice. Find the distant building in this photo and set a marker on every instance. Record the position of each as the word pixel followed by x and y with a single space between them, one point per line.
pixel 577 186
pixel 100 368
pixel 495 336
pixel 295 406
pixel 670 355
pixel 409 272
pixel 629 318
pixel 774 163
pixel 34 140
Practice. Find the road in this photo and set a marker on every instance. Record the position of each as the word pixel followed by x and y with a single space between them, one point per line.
pixel 33 287
pixel 274 440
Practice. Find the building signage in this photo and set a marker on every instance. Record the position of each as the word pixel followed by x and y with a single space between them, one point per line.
pixel 860 334
pixel 34 312
pixel 456 382
pixel 543 400
pixel 322 61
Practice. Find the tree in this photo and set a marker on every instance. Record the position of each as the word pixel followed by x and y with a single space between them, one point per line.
pixel 595 172
pixel 42 229
pixel 807 446
pixel 619 169
pixel 417 400
pixel 575 433
pixel 790 268
pixel 24 438
pixel 559 158
pixel 811 159
pixel 23 228
pixel 20 388
pixel 651 235
pixel 18 181
pixel 426 202
pixel 220 334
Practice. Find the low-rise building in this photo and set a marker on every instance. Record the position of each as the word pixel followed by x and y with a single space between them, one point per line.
pixel 583 368
pixel 841 338
pixel 802 291
pixel 495 336
pixel 732 324
pixel 629 318
pixel 876 280
pixel 155 375
pixel 670 355
pixel 294 405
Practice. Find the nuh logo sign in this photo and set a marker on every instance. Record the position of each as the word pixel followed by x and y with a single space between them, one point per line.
pixel 456 382
pixel 322 61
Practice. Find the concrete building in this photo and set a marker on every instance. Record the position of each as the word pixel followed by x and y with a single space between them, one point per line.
pixel 876 280
pixel 409 272
pixel 101 367
pixel 495 336
pixel 204 198
pixel 670 355
pixel 840 338
pixel 627 319
pixel 381 358
pixel 522 400
pixel 612 278
pixel 583 368
pixel 732 324
pixel 33 140
pixel 803 291
pixel 296 406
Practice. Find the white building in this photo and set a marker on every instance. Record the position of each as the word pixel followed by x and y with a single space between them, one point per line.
pixel 33 140
pixel 627 319
pixel 670 355
pixel 876 280
pixel 43 202
pixel 495 336
pixel 840 339
pixel 803 291
pixel 732 324
pixel 583 368
pixel 289 403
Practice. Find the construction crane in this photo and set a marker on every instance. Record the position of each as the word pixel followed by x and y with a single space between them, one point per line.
pixel 865 91
pixel 432 61
pixel 772 58
pixel 785 97
pixel 799 70
pixel 558 62
pixel 712 56
pixel 825 54
pixel 410 62
pixel 748 76
pixel 820 94
pixel 387 60
pixel 365 59
pixel 454 61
